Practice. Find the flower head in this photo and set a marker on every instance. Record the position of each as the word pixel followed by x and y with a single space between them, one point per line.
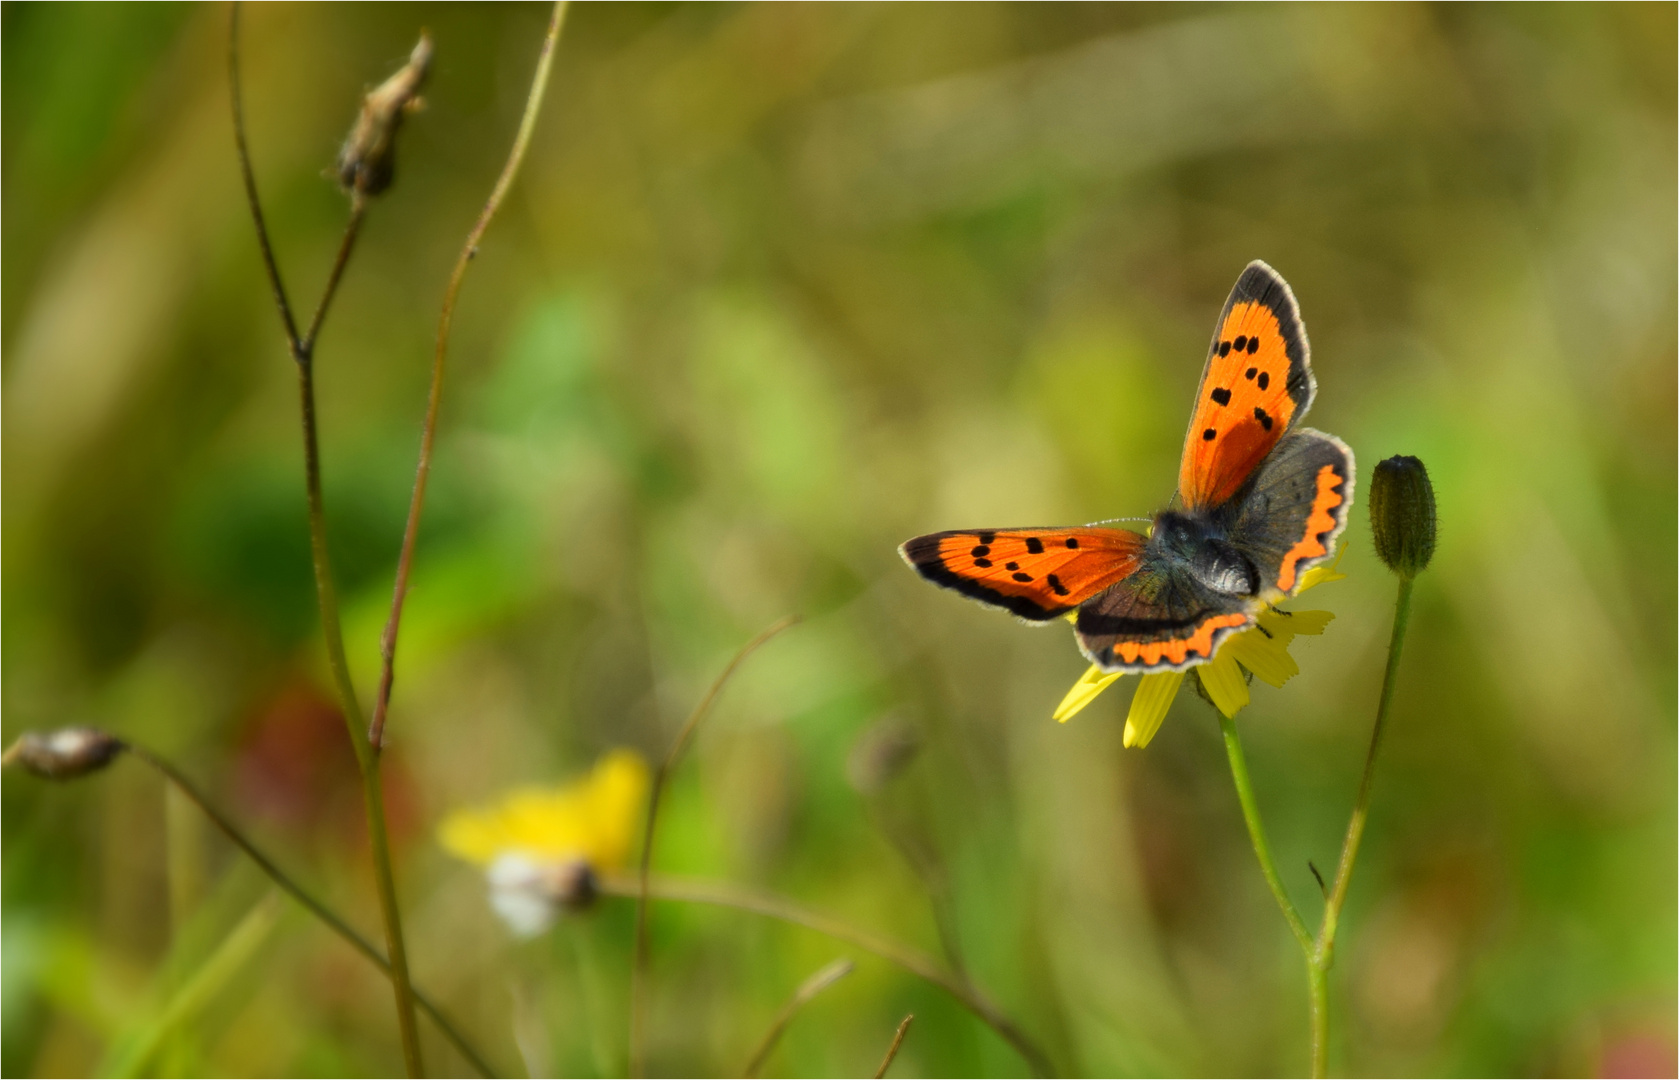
pixel 1261 650
pixel 65 753
pixel 542 848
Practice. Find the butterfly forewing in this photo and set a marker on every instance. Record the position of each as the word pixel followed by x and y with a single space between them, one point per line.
pixel 1256 385
pixel 1035 573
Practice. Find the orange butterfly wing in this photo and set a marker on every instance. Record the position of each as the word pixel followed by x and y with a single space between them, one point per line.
pixel 1035 573
pixel 1256 386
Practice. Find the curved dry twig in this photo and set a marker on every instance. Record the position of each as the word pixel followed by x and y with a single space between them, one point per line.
pixel 638 960
pixel 892 1051
pixel 914 961
pixel 434 399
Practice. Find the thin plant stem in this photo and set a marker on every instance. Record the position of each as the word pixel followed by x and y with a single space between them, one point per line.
pixel 1319 951
pixel 892 1051
pixel 914 961
pixel 269 263
pixel 1322 955
pixel 358 210
pixel 307 900
pixel 434 398
pixel 1256 831
pixel 326 593
pixel 638 960
pixel 825 977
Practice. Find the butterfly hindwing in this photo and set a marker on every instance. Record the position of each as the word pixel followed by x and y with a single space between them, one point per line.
pixel 1256 385
pixel 1035 573
pixel 1158 619
pixel 1289 517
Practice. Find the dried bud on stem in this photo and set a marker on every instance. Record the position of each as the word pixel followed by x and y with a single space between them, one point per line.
pixel 367 163
pixel 1402 515
pixel 883 751
pixel 64 754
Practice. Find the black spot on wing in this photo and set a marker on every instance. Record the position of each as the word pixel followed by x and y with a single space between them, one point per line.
pixel 1034 546
pixel 1221 395
pixel 935 571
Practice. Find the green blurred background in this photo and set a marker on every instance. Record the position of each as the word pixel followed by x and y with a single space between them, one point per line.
pixel 780 286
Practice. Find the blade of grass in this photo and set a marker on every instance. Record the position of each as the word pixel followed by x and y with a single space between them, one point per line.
pixel 315 907
pixel 212 976
pixel 818 982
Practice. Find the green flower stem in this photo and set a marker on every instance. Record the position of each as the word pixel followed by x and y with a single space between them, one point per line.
pixel 315 907
pixel 303 355
pixel 1322 954
pixel 1256 832
pixel 915 962
pixel 1320 951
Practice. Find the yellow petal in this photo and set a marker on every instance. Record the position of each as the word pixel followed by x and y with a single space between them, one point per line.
pixel 617 790
pixel 593 818
pixel 1090 684
pixel 1149 705
pixel 1262 654
pixel 1322 574
pixel 1222 678
pixel 1309 622
pixel 1283 625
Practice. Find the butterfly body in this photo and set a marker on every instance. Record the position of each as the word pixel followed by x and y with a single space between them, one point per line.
pixel 1260 501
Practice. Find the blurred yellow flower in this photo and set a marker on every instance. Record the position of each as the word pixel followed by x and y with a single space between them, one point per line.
pixel 542 847
pixel 1261 649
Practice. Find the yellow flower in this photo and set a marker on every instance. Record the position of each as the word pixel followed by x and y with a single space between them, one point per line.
pixel 542 847
pixel 1261 649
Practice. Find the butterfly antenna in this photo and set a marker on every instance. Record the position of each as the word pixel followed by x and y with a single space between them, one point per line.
pixel 1109 521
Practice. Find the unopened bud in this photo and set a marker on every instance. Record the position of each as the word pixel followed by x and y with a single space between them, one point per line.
pixel 1402 515
pixel 367 163
pixel 63 754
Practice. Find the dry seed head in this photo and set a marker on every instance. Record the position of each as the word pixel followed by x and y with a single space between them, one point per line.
pixel 367 163
pixel 63 754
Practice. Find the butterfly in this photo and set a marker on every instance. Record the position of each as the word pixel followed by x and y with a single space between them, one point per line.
pixel 1260 501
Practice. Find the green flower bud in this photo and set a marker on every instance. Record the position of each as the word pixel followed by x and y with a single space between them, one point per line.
pixel 63 754
pixel 1402 515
